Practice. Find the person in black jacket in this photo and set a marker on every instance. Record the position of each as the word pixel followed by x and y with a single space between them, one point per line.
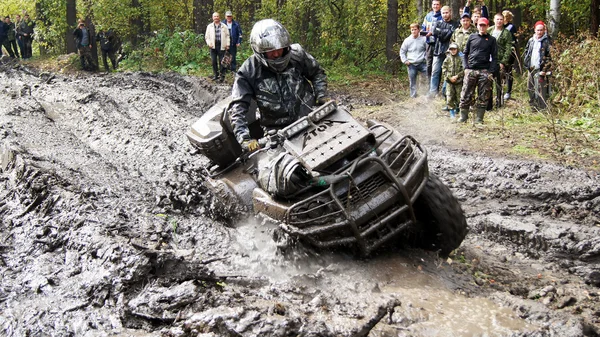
pixel 11 44
pixel 83 39
pixel 286 82
pixel 442 31
pixel 480 62
pixel 109 44
pixel 537 61
pixel 4 37
pixel 25 32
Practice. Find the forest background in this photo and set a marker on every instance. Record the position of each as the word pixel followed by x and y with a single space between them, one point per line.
pixel 352 39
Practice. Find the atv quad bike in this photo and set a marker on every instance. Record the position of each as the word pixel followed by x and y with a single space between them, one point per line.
pixel 368 183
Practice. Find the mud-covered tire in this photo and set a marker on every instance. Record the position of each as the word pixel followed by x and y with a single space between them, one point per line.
pixel 441 223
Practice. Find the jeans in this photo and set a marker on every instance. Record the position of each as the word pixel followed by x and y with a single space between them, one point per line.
pixel 233 52
pixel 216 57
pixel 436 73
pixel 413 72
pixel 429 57
pixel 26 51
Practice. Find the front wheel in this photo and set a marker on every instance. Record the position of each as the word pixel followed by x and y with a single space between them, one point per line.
pixel 441 221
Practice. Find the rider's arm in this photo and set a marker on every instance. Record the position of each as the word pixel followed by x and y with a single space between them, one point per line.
pixel 315 74
pixel 242 93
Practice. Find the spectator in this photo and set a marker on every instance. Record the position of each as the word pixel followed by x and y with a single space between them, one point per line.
pixel 462 33
pixel 477 12
pixel 235 34
pixel 12 37
pixel 218 41
pixel 413 54
pixel 109 45
pixel 430 18
pixel 4 37
pixel 26 30
pixel 19 38
pixel 286 83
pixel 453 73
pixel 504 41
pixel 538 61
pixel 479 61
pixel 442 31
pixel 508 25
pixel 83 40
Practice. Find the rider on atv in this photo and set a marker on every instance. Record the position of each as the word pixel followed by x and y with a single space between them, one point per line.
pixel 286 82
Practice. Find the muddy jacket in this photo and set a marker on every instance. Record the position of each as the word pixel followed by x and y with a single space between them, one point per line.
pixel 460 37
pixel 452 66
pixel 545 59
pixel 505 43
pixel 481 52
pixel 282 98
pixel 442 30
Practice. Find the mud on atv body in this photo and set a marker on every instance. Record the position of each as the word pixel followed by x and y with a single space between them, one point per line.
pixel 370 183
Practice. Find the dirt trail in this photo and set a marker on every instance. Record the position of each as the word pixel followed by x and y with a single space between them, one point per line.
pixel 106 228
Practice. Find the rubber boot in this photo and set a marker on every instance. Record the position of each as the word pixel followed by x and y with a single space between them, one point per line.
pixel 479 118
pixel 464 115
pixel 452 113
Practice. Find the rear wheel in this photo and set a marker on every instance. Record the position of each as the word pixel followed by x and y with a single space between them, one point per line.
pixel 441 221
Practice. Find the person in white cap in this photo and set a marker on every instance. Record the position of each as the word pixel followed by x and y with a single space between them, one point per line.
pixel 235 33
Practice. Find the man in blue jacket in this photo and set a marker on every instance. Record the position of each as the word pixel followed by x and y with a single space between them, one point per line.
pixel 235 32
pixel 430 18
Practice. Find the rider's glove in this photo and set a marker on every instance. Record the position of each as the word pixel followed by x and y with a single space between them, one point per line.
pixel 323 100
pixel 250 145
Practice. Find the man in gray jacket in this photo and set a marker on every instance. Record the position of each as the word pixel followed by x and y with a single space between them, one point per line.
pixel 413 53
pixel 286 83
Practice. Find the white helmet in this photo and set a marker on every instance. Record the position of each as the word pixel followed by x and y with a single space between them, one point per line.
pixel 268 35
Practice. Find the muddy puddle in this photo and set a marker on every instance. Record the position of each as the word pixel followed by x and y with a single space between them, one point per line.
pixel 106 229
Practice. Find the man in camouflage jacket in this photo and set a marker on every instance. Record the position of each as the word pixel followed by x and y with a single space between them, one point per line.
pixel 504 41
pixel 453 73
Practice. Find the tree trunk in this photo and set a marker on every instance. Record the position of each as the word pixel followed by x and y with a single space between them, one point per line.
pixel 391 31
pixel 41 17
pixel 420 13
pixel 554 18
pixel 455 7
pixel 89 22
pixel 71 22
pixel 595 17
pixel 203 10
pixel 136 22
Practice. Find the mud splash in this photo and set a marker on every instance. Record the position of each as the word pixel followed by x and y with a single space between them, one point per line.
pixel 107 229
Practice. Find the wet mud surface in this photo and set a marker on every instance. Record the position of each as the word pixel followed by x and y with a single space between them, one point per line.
pixel 107 229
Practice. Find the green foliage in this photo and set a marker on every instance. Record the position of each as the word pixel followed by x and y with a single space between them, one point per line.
pixel 577 85
pixel 575 14
pixel 184 52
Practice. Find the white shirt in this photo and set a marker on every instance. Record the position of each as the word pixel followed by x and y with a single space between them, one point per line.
pixel 535 53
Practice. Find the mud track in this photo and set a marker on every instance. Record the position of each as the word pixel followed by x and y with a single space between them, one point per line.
pixel 106 229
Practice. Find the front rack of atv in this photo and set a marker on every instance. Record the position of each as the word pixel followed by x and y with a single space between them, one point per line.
pixel 361 211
